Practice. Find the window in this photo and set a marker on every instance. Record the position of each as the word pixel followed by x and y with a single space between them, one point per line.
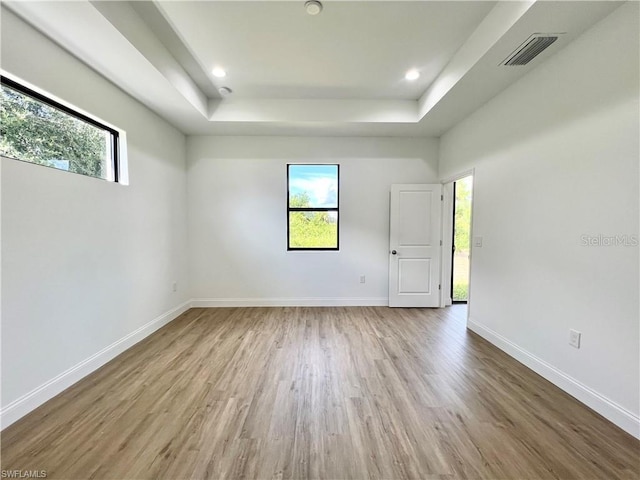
pixel 312 207
pixel 37 129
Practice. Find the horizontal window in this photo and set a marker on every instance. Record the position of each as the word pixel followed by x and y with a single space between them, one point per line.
pixel 312 207
pixel 37 129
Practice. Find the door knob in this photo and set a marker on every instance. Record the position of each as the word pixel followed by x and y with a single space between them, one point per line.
pixel 393 252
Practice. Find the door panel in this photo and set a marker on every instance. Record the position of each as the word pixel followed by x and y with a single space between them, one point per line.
pixel 415 228
pixel 414 268
pixel 411 275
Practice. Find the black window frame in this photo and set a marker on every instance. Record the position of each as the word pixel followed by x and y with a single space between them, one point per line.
pixel 115 135
pixel 313 209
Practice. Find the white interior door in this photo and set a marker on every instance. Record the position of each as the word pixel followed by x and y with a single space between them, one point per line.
pixel 414 245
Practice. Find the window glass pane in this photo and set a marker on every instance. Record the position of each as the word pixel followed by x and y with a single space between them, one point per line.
pixel 313 229
pixel 39 133
pixel 313 186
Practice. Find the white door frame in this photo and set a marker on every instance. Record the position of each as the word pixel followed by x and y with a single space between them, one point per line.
pixel 447 237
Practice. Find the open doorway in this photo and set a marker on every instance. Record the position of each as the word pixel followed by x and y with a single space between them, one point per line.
pixel 461 239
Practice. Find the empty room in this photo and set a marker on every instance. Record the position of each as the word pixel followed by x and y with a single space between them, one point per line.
pixel 320 239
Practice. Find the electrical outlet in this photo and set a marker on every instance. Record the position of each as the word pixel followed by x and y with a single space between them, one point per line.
pixel 174 286
pixel 363 279
pixel 574 338
pixel 477 242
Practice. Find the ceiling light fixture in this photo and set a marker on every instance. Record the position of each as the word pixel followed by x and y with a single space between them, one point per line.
pixel 219 72
pixel 225 91
pixel 412 74
pixel 313 7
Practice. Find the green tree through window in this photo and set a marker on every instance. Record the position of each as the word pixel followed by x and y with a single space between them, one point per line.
pixel 37 132
pixel 313 207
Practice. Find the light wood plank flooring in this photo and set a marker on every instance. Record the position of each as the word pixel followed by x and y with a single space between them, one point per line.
pixel 330 393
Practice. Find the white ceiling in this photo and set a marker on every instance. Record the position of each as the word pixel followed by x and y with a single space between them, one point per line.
pixel 350 50
pixel 337 73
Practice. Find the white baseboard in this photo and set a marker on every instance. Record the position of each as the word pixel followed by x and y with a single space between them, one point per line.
pixel 292 302
pixel 36 397
pixel 613 412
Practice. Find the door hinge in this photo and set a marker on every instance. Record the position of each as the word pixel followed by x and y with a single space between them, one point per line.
pixel 440 242
pixel 441 197
pixel 439 287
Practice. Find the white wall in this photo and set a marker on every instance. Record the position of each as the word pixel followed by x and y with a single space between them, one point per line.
pixel 556 156
pixel 85 262
pixel 237 189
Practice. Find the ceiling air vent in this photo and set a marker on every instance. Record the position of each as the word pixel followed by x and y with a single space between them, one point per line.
pixel 531 48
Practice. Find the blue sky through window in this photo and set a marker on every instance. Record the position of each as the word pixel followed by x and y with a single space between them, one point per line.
pixel 319 182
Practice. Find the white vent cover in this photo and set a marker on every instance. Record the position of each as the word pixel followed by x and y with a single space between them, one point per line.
pixel 531 48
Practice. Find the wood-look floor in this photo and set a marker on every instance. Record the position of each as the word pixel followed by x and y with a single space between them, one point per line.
pixel 317 393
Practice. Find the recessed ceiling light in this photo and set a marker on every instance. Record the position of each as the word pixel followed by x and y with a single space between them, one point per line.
pixel 412 74
pixel 313 7
pixel 219 72
pixel 225 91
